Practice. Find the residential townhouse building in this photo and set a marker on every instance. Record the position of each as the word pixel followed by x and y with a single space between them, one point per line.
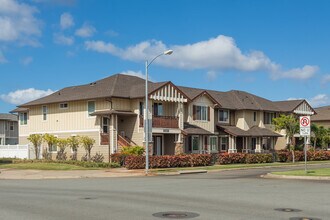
pixel 322 117
pixel 183 119
pixel 8 129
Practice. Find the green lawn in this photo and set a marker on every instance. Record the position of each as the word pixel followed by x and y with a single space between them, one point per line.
pixel 237 166
pixel 312 172
pixel 42 166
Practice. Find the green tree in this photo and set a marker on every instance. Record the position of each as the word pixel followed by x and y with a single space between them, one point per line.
pixel 88 144
pixel 51 140
pixel 62 145
pixel 290 124
pixel 36 140
pixel 320 134
pixel 73 143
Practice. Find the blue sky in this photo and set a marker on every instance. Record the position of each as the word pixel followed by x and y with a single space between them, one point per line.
pixel 275 49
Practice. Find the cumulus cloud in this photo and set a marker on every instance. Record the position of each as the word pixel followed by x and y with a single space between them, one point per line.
pixel 19 97
pixel 220 53
pixel 57 2
pixel 305 72
pixel 86 30
pixel 319 100
pixel 26 60
pixel 2 58
pixel 134 73
pixel 18 23
pixel 62 39
pixel 66 21
pixel 326 79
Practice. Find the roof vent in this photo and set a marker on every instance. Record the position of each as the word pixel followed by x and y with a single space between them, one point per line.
pixel 59 93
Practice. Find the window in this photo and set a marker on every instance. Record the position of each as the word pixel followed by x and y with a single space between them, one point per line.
pixel 195 143
pixel 64 105
pixel 224 143
pixel 213 143
pixel 141 108
pixel 44 113
pixel 105 125
pixel 91 107
pixel 201 113
pixel 268 117
pixel 23 117
pixel 158 109
pixel 224 116
pixel 254 116
pixel 11 126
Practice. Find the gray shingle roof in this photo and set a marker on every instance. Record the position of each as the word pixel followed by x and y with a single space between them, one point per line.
pixel 8 117
pixel 323 114
pixel 288 105
pixel 254 131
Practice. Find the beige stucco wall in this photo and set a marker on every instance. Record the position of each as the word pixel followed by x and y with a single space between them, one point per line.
pixel 202 101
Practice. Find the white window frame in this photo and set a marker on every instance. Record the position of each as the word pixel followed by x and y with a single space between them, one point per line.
pixel 44 112
pixel 62 104
pixel 88 113
pixel 223 110
pixel 215 146
pixel 203 109
pixel 108 124
pixel 21 116
pixel 227 143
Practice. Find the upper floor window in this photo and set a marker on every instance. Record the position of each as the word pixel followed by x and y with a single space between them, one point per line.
pixel 90 107
pixel 11 125
pixel 158 109
pixel 105 124
pixel 64 105
pixel 254 116
pixel 23 117
pixel 224 116
pixel 201 113
pixel 268 117
pixel 141 108
pixel 44 113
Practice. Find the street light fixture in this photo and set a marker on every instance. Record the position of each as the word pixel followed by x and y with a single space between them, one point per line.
pixel 147 126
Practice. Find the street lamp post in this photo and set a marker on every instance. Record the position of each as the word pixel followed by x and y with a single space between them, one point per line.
pixel 147 126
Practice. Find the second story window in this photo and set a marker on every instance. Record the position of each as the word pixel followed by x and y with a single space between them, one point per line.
pixel 268 117
pixel 254 116
pixel 90 107
pixel 224 116
pixel 141 108
pixel 11 126
pixel 201 113
pixel 64 105
pixel 44 113
pixel 158 109
pixel 23 117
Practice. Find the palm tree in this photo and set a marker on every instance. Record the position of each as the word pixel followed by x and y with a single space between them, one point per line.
pixel 36 140
pixel 87 143
pixel 320 133
pixel 73 143
pixel 51 140
pixel 290 124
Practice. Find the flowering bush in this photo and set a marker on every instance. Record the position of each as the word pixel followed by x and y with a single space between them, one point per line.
pixel 286 156
pixel 259 158
pixel 229 158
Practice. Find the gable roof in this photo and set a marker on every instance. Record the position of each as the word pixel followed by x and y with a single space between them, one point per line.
pixel 8 117
pixel 288 105
pixel 323 114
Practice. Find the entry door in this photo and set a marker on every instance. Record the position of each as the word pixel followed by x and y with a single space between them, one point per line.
pixel 158 145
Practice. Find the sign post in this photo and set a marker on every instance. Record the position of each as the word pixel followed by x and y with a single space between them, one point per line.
pixel 305 131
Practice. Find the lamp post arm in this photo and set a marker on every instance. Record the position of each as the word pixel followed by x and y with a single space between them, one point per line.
pixel 154 59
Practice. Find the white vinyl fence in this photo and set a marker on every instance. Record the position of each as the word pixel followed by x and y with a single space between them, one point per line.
pixel 15 151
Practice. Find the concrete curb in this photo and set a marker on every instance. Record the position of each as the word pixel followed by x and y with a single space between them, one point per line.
pixel 275 176
pixel 191 171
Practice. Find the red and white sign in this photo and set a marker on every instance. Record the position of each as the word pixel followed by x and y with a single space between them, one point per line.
pixel 305 125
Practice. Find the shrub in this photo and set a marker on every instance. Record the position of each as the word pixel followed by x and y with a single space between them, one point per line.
pixel 98 158
pixel 230 158
pixel 132 150
pixel 286 156
pixel 167 161
pixel 118 158
pixel 259 158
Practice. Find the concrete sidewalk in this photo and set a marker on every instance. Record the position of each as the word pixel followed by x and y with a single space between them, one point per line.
pixel 14 174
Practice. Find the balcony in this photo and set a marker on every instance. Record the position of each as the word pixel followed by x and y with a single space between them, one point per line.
pixel 162 121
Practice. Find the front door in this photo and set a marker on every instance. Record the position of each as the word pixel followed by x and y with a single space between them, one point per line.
pixel 158 145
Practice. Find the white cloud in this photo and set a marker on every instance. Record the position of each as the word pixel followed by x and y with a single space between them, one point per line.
pixel 62 39
pixel 57 2
pixel 19 97
pixel 218 53
pixel 305 72
pixel 111 33
pixel 319 100
pixel 2 58
pixel 18 23
pixel 326 79
pixel 26 60
pixel 66 21
pixel 86 30
pixel 134 73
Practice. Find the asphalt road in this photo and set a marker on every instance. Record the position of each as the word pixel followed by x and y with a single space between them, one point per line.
pixel 225 195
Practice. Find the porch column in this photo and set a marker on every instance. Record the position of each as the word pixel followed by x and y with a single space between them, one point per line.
pixel 178 145
pixel 258 145
pixel 232 144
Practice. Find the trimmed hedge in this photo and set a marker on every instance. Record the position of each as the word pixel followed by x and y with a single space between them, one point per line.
pixel 167 161
pixel 259 158
pixel 235 158
pixel 286 156
pixel 72 162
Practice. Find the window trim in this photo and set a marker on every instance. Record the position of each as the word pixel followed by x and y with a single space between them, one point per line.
pixel 254 116
pixel 63 103
pixel 22 121
pixel 228 114
pixel 88 114
pixel 227 143
pixel 44 114
pixel 206 113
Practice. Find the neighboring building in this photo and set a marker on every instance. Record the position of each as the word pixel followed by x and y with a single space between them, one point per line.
pixel 8 129
pixel 184 120
pixel 322 117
